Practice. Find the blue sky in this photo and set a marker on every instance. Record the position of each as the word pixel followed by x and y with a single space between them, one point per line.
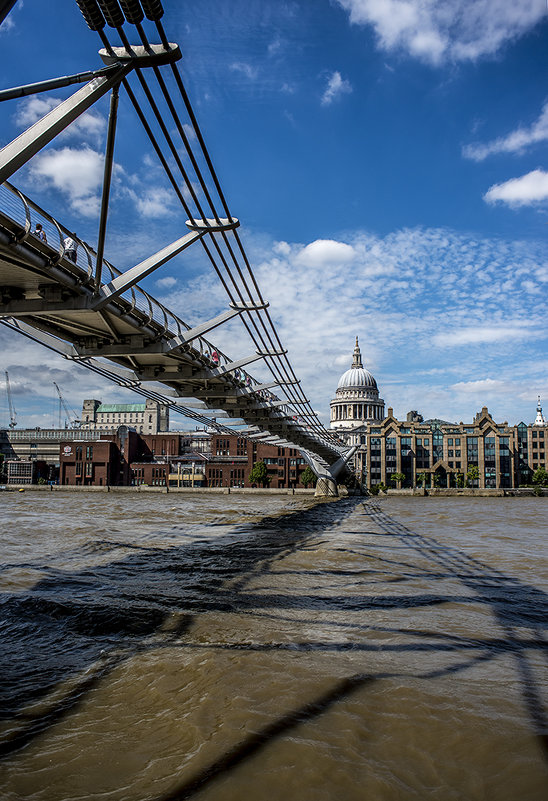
pixel 388 160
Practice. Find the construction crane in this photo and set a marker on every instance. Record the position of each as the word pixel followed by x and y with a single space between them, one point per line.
pixel 71 415
pixel 13 415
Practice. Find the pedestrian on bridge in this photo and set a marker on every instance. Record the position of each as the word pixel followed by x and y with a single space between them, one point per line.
pixel 215 358
pixel 40 233
pixel 70 248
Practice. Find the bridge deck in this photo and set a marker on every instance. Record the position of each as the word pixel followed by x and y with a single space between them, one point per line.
pixel 47 293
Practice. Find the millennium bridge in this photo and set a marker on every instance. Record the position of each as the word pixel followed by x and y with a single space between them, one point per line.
pixel 62 292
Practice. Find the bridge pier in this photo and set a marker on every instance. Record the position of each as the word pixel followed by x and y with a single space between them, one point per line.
pixel 326 487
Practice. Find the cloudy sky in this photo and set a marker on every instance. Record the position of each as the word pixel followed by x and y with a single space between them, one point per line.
pixel 388 160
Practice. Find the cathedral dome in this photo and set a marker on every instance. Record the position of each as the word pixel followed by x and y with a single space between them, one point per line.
pixel 356 400
pixel 357 376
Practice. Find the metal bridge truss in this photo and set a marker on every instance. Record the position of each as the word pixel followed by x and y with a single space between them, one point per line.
pixel 99 317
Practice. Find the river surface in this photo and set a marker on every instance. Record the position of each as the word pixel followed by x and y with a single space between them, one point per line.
pixel 167 647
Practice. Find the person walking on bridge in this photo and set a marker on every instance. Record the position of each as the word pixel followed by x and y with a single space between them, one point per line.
pixel 70 248
pixel 40 233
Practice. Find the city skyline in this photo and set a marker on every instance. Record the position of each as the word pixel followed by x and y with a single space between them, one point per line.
pixel 389 170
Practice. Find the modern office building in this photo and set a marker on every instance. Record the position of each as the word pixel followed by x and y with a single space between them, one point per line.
pixel 432 453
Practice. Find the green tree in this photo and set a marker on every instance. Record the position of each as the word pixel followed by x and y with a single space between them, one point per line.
pixel 459 479
pixel 259 474
pixel 421 479
pixel 472 474
pixel 398 478
pixel 308 476
pixel 540 477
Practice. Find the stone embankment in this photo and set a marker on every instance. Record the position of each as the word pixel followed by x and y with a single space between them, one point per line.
pixel 468 492
pixel 162 490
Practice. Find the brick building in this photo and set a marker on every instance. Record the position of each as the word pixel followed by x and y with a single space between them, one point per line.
pixel 232 459
pixel 122 459
pixel 128 458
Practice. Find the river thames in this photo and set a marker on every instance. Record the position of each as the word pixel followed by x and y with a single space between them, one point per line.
pixel 223 647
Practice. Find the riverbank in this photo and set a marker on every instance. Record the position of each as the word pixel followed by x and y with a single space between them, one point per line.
pixel 436 492
pixel 164 490
pixel 467 492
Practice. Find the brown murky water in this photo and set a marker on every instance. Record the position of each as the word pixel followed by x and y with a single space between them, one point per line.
pixel 225 647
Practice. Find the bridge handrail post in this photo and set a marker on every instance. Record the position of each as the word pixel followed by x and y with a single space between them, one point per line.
pixel 87 250
pixel 164 312
pixel 26 206
pixel 62 248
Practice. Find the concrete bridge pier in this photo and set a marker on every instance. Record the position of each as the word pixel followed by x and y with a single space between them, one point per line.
pixel 326 487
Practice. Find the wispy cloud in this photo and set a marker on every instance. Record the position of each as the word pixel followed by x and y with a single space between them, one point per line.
pixel 443 319
pixel 527 190
pixel 90 125
pixel 438 31
pixel 336 86
pixel 155 202
pixel 247 70
pixel 515 142
pixel 478 335
pixel 432 308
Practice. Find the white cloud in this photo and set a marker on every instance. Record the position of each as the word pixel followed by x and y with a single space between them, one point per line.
pixel 250 72
pixel 524 191
pixel 326 252
pixel 166 283
pixel 77 172
pixel 7 25
pixel 436 31
pixel 477 335
pixel 440 316
pixel 155 202
pixel 336 86
pixel 89 125
pixel 515 142
pixel 430 307
pixel 481 387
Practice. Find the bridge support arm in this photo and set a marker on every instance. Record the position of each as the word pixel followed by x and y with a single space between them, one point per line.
pixel 204 328
pixel 31 141
pixel 132 276
pixel 327 474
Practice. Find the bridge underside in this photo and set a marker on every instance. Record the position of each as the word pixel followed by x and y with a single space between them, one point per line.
pixel 47 296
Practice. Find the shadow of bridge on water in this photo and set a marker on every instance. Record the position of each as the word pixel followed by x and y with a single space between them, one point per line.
pixel 74 628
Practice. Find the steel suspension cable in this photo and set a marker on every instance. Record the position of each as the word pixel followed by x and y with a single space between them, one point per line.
pixel 280 370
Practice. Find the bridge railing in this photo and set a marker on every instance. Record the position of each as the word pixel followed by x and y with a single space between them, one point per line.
pixel 27 214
